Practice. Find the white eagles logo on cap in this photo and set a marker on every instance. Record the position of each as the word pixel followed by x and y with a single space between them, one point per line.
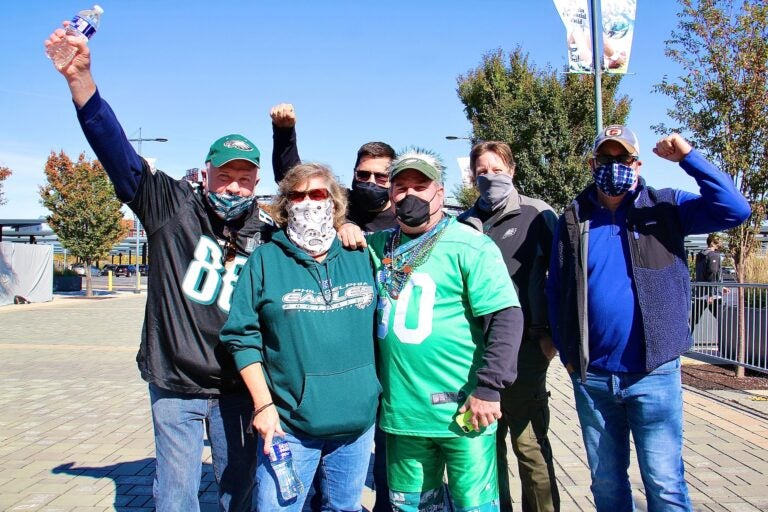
pixel 613 132
pixel 238 144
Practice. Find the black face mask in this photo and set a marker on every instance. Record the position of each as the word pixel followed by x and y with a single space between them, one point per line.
pixel 369 196
pixel 412 211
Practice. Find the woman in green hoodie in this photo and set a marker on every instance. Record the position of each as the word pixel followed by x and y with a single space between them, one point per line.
pixel 301 330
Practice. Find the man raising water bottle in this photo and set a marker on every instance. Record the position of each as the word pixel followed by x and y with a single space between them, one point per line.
pixel 200 240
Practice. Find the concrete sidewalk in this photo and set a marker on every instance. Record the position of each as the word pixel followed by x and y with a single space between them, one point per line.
pixel 76 433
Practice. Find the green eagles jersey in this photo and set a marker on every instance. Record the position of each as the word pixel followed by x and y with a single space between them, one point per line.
pixel 430 339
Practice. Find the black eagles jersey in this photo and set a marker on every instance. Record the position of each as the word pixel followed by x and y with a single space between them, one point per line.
pixel 196 260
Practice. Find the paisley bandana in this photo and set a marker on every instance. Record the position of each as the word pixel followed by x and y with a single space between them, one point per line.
pixel 310 225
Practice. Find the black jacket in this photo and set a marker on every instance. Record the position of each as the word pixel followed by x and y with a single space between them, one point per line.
pixel 523 230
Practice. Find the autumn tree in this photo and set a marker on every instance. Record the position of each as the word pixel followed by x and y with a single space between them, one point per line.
pixel 85 214
pixel 4 174
pixel 721 104
pixel 546 117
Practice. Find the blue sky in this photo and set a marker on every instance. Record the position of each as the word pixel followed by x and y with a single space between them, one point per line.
pixel 192 71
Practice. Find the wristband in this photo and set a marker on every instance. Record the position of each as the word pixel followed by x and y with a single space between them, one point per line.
pixel 257 411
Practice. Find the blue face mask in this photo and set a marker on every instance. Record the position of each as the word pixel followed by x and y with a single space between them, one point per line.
pixel 614 179
pixel 227 206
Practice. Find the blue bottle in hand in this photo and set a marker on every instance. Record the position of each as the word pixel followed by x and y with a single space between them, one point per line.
pixel 282 463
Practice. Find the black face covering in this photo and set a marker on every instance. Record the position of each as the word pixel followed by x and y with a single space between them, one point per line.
pixel 412 211
pixel 369 196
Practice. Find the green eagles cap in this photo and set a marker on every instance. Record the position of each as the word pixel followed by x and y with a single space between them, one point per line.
pixel 425 162
pixel 233 147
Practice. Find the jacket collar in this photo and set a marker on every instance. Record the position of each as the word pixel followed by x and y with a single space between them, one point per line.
pixel 586 202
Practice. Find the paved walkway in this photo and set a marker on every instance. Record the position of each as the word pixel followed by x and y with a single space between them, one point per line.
pixel 75 433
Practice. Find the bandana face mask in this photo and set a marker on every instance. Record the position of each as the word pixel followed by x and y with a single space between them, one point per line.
pixel 310 225
pixel 494 190
pixel 227 206
pixel 614 179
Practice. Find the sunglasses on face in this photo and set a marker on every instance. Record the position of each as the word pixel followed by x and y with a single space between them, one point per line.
pixel 618 159
pixel 382 178
pixel 316 194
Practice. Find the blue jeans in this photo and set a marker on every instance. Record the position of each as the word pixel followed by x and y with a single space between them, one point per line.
pixel 650 406
pixel 179 420
pixel 341 463
pixel 380 485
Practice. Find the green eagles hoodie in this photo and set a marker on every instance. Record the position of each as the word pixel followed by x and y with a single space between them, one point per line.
pixel 311 325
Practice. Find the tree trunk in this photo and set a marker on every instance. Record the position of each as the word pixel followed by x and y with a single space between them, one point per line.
pixel 88 279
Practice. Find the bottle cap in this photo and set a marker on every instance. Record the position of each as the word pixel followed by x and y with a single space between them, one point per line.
pixel 98 10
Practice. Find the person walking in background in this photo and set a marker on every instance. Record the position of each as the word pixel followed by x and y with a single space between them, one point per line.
pixel 708 271
pixel 619 296
pixel 301 333
pixel 200 239
pixel 522 227
pixel 449 332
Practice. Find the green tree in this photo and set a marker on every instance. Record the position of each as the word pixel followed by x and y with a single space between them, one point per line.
pixel 466 196
pixel 721 104
pixel 84 211
pixel 5 172
pixel 547 118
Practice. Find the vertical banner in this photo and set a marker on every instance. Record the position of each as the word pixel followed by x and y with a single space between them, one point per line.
pixel 575 16
pixel 618 26
pixel 466 173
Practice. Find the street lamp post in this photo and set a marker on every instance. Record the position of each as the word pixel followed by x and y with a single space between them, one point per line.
pixel 136 225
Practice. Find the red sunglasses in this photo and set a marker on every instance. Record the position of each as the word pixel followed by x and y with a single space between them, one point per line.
pixel 316 194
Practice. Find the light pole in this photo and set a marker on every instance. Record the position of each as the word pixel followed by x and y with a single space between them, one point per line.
pixel 136 225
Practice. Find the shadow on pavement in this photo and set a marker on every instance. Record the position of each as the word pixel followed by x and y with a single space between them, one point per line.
pixel 133 482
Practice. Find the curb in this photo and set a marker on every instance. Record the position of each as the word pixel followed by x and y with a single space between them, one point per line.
pixel 728 402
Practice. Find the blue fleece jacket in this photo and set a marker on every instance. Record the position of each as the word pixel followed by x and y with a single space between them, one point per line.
pixel 616 333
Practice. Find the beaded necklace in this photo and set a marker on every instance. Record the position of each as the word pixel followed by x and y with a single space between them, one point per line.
pixel 400 261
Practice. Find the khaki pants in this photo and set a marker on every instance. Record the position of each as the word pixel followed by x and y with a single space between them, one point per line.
pixel 525 409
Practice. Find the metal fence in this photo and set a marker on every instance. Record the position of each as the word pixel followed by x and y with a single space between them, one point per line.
pixel 715 323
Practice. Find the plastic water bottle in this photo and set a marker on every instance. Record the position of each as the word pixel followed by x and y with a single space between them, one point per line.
pixel 84 24
pixel 282 463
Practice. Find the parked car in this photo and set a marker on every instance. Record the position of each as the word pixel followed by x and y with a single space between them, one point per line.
pixel 79 269
pixel 109 267
pixel 125 271
pixel 144 269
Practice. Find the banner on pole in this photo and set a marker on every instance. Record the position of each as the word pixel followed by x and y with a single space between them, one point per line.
pixel 575 16
pixel 618 17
